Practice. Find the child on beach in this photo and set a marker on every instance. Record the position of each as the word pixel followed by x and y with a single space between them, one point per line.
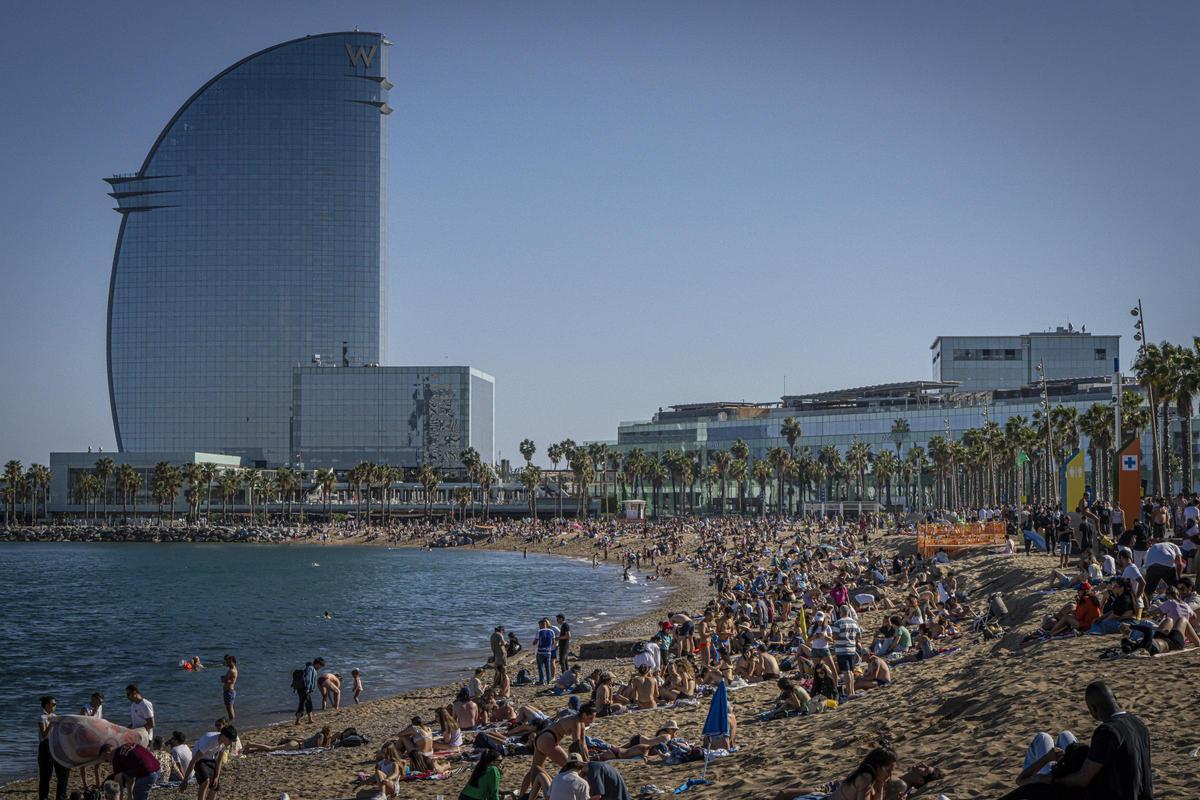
pixel 358 687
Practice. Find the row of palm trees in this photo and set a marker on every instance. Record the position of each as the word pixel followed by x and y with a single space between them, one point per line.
pixel 1170 374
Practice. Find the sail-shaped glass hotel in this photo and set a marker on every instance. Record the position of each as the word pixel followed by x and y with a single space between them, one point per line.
pixel 251 240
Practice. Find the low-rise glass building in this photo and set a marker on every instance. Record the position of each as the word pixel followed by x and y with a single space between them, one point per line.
pixel 401 416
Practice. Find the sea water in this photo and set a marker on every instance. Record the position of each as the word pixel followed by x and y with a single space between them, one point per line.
pixel 82 617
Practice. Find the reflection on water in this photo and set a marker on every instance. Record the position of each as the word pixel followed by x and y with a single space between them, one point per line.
pixel 88 617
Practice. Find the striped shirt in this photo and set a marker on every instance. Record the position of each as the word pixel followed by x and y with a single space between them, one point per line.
pixel 847 632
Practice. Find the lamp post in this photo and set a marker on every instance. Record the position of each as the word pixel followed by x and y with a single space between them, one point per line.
pixel 1140 336
pixel 1050 482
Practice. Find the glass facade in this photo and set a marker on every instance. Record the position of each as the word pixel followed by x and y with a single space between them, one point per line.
pixel 401 416
pixel 251 240
pixel 1009 362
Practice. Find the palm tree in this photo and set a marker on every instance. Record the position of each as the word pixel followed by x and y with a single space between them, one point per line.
pixel 104 470
pixel 252 481
pixel 762 475
pixel 40 476
pixel 598 452
pixel 208 473
pixel 779 460
pixel 884 467
pixel 858 458
pixel 428 477
pixel 164 486
pixel 228 484
pixel 583 471
pixel 1185 374
pixel 1097 424
pixel 656 473
pixel 285 487
pixel 531 477
pixel 326 479
pixel 463 497
pixel 527 448
pixel 721 461
pixel 129 480
pixel 486 476
pixel 791 432
pixel 831 460
pixel 1134 416
pixel 191 474
pixel 12 476
pixel 942 453
pixel 555 453
pixel 1153 368
pixel 741 452
pixel 919 461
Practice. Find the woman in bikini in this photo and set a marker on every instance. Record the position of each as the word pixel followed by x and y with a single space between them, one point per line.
pixel 417 742
pixel 547 744
pixel 452 736
pixel 322 738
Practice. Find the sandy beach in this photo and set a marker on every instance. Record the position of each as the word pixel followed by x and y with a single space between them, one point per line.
pixel 971 713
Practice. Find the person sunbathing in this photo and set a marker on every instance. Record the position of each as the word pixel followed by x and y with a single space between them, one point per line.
pixel 602 696
pixel 416 741
pixel 640 746
pixel 877 673
pixel 465 710
pixel 451 735
pixel 644 688
pixel 322 738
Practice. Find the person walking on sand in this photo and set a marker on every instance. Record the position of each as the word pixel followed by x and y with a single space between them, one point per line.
pixel 141 713
pixel 564 642
pixel 304 683
pixel 229 685
pixel 544 641
pixel 47 766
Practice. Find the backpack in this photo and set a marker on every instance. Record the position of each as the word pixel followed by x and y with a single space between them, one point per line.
pixel 298 681
pixel 523 678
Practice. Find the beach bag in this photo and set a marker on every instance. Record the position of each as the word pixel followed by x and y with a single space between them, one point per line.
pixel 353 740
pixel 523 678
pixel 997 606
pixel 298 681
pixel 582 687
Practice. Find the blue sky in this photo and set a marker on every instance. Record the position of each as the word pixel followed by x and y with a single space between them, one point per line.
pixel 613 207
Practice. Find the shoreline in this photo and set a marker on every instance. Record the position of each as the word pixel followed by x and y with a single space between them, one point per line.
pixel 681 582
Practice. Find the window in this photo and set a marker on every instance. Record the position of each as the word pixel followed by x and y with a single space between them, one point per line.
pixel 1101 354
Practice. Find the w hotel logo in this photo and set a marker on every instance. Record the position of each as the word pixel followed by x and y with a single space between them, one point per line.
pixel 361 53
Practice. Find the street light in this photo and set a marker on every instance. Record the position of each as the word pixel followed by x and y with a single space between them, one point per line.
pixel 1140 336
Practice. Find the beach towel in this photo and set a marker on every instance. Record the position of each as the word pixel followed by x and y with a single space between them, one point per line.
pixel 75 741
pixel 308 751
pixel 427 776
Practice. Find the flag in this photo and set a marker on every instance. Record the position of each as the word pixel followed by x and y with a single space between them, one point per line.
pixel 1073 482
pixel 1022 458
pixel 1127 479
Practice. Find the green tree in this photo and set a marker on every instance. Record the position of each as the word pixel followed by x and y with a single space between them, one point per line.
pixel 778 459
pixel 858 458
pixel 1154 369
pixel 761 472
pixel 228 485
pixel 527 448
pixel 326 479
pixel 884 468
pixel 531 478
pixel 104 469
pixel 555 453
pixel 13 475
pixel 285 488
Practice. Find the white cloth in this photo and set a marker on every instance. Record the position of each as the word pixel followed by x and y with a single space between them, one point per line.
pixel 140 712
pixel 569 786
pixel 1163 554
pixel 181 754
pixel 209 745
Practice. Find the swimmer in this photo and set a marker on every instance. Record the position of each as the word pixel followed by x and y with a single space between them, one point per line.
pixel 328 615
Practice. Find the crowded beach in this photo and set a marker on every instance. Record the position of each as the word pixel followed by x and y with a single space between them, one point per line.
pixel 809 657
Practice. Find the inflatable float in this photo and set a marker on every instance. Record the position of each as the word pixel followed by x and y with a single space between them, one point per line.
pixel 75 741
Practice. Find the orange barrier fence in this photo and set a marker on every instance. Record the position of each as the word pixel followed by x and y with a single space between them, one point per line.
pixel 955 537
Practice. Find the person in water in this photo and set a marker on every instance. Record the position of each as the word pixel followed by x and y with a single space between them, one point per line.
pixel 229 685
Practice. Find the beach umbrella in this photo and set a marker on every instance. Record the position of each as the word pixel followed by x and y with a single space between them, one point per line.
pixel 717 721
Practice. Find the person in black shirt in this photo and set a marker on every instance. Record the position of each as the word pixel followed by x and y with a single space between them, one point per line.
pixel 1117 764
